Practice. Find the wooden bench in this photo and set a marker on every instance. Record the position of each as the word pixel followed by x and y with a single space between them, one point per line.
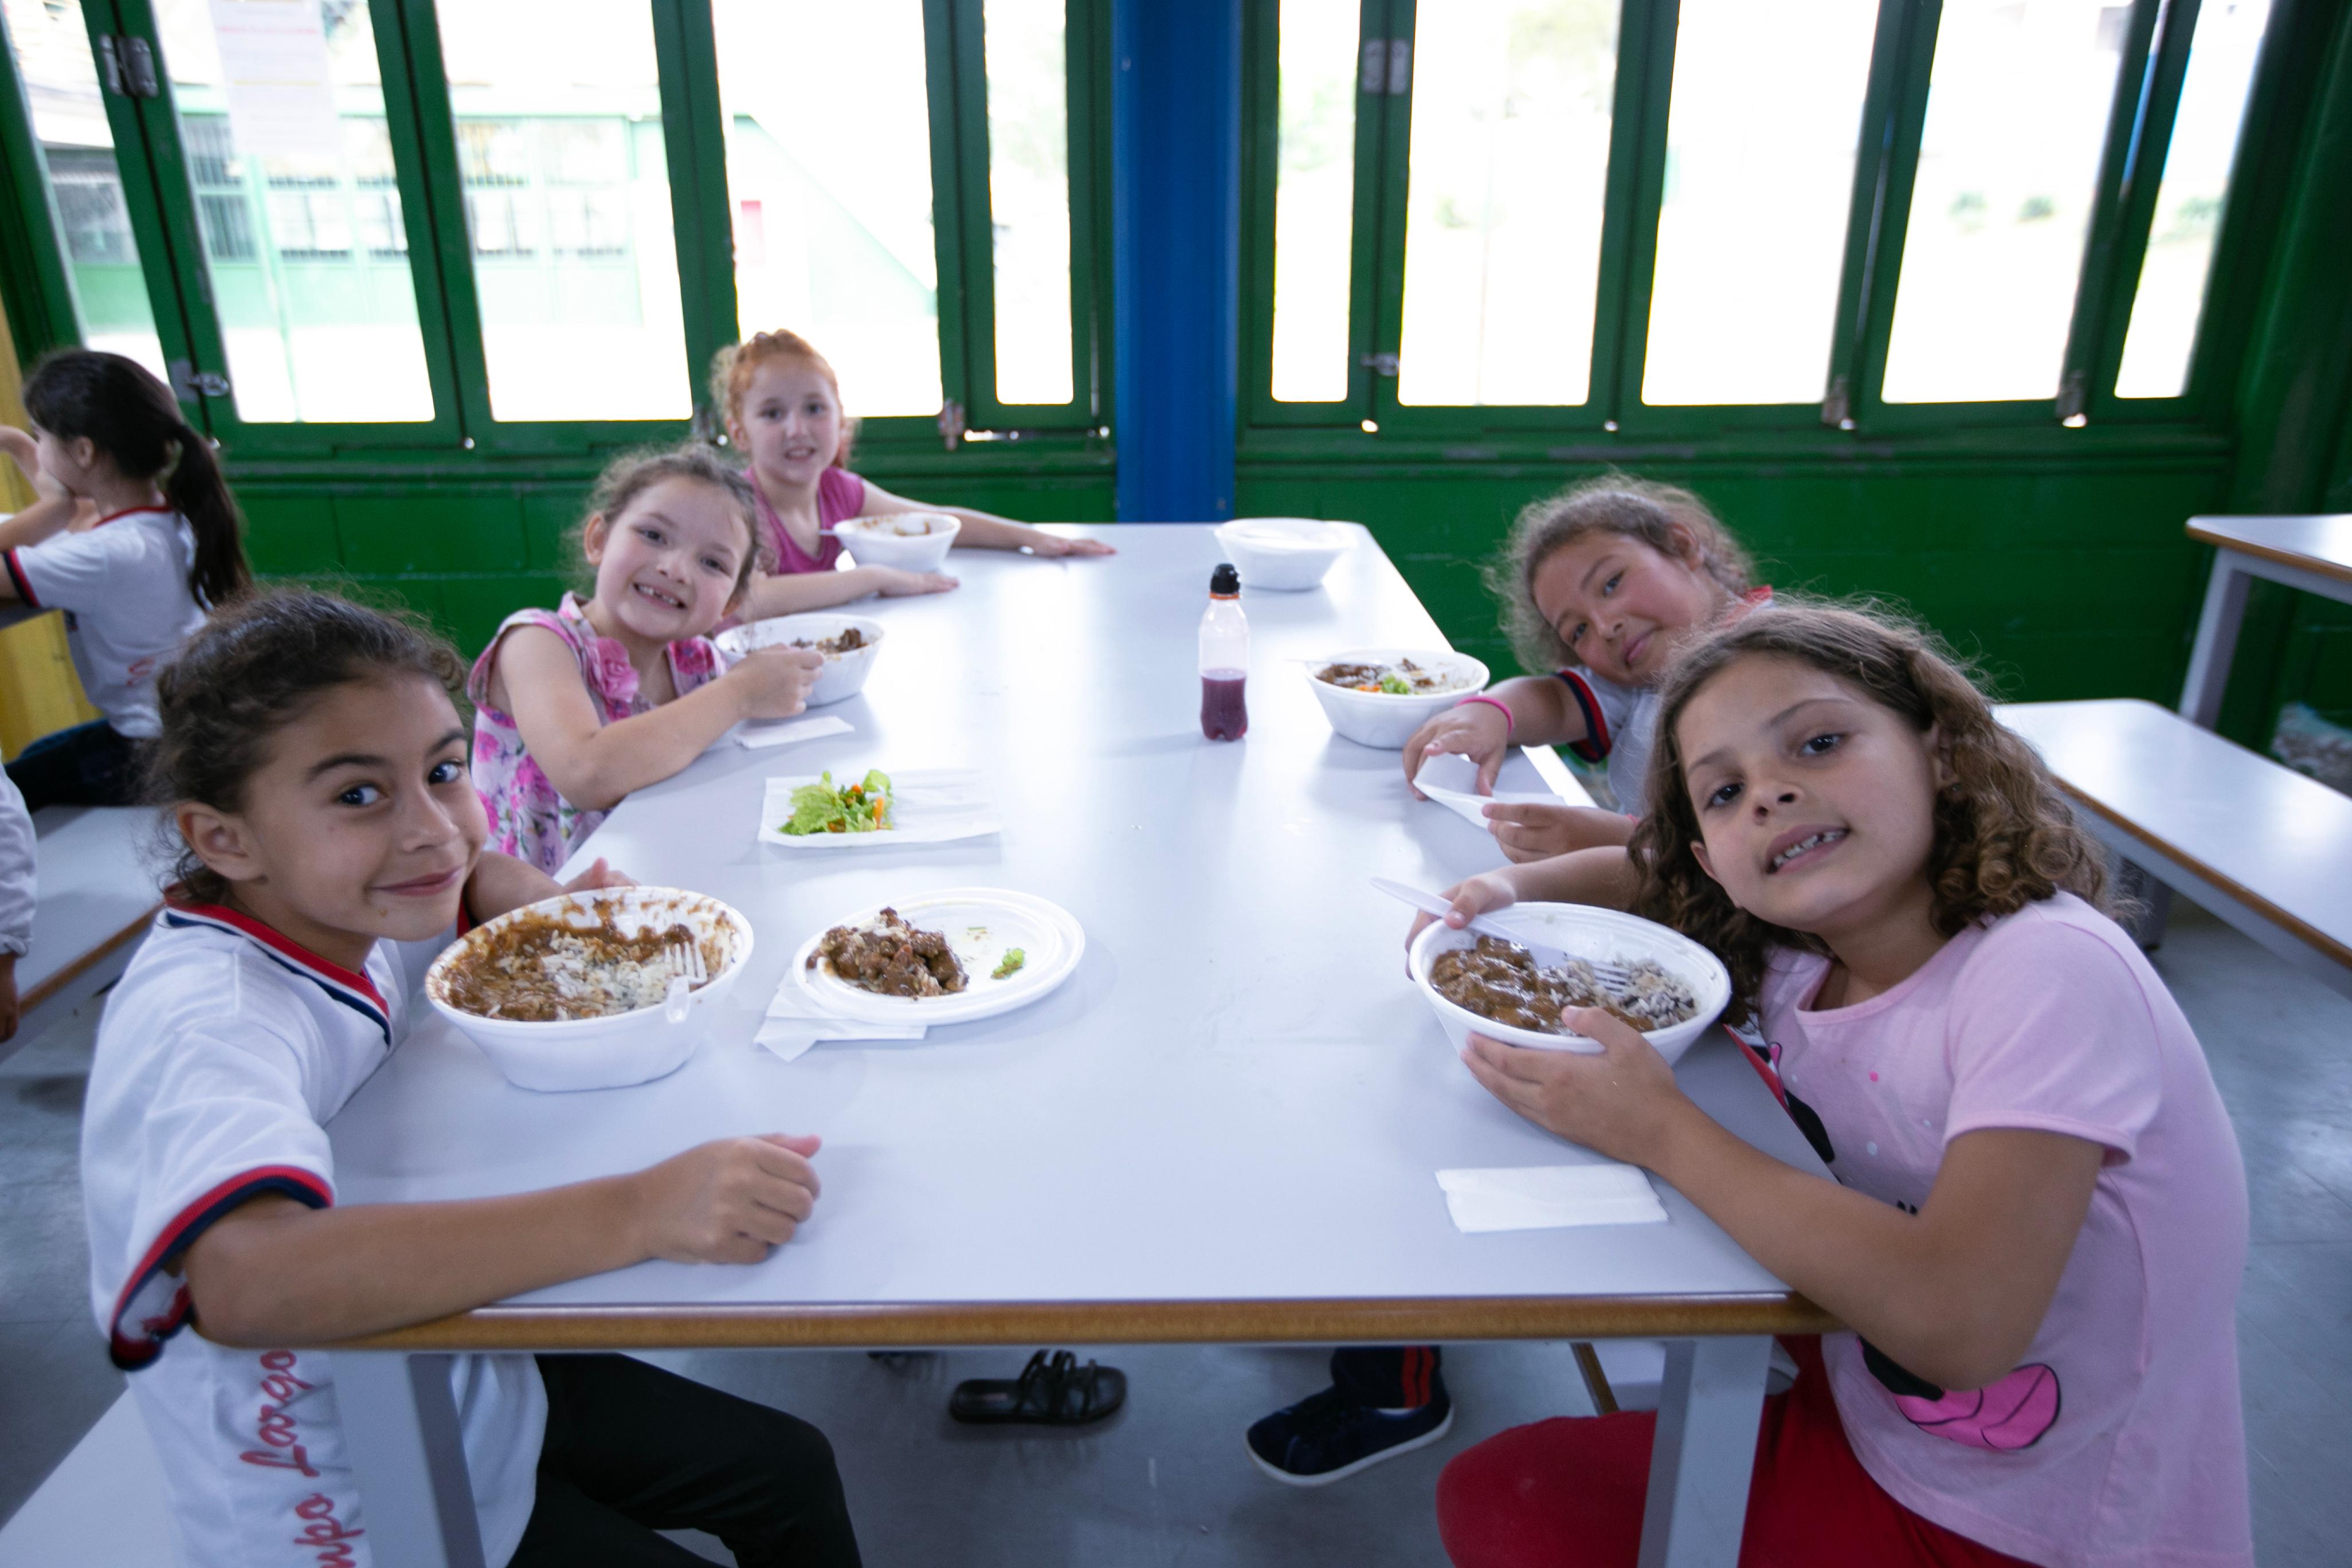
pixel 2265 848
pixel 97 895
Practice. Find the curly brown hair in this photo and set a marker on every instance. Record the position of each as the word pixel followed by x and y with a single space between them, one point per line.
pixel 2005 836
pixel 255 666
pixel 1607 503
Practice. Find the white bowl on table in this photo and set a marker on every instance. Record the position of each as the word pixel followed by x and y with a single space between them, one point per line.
pixel 1289 554
pixel 619 1049
pixel 909 540
pixel 844 673
pixel 1385 718
pixel 1558 931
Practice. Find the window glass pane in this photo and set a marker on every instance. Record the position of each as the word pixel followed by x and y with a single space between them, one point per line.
pixel 561 156
pixel 2172 296
pixel 2009 167
pixel 833 232
pixel 1508 176
pixel 1314 198
pixel 1766 111
pixel 1029 198
pixel 281 117
pixel 85 188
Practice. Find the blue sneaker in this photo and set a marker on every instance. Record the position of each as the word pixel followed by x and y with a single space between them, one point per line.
pixel 1329 1436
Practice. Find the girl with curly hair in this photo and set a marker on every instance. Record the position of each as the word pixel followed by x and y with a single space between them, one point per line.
pixel 2038 1218
pixel 1600 585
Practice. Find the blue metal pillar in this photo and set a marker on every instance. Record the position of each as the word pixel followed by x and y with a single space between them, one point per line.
pixel 1176 71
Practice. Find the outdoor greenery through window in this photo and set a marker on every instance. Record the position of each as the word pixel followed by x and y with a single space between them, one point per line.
pixel 833 232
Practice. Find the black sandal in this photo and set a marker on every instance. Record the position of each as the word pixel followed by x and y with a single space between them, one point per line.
pixel 1053 1390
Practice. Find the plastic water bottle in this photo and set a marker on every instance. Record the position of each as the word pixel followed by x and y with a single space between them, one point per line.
pixel 1224 659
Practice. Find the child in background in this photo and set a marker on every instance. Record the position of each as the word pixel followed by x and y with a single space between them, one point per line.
pixel 578 706
pixel 2039 1217
pixel 1602 581
pixel 316 775
pixel 783 414
pixel 155 547
pixel 16 890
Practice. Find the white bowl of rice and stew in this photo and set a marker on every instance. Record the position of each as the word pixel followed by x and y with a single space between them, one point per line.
pixel 909 540
pixel 573 992
pixel 1379 696
pixel 849 644
pixel 1574 955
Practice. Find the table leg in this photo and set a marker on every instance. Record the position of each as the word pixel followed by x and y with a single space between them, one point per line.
pixel 1704 1452
pixel 399 1428
pixel 2217 641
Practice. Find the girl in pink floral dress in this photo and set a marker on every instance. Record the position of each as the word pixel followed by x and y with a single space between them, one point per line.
pixel 576 707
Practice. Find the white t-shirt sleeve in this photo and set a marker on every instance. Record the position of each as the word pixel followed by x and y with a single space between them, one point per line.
pixel 2051 1032
pixel 16 871
pixel 1607 707
pixel 69 571
pixel 217 1119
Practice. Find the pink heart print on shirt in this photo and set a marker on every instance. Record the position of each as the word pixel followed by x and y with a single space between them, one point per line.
pixel 2011 1414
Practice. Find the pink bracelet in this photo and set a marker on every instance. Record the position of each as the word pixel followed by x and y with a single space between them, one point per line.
pixel 1508 715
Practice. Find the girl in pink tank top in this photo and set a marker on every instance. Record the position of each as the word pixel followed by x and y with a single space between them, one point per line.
pixel 784 412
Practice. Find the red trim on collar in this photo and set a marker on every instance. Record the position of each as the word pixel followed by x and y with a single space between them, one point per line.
pixel 286 947
pixel 133 512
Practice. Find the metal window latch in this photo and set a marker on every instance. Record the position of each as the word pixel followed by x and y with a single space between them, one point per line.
pixel 189 384
pixel 2072 394
pixel 1387 68
pixel 1379 365
pixel 128 64
pixel 1837 409
pixel 951 425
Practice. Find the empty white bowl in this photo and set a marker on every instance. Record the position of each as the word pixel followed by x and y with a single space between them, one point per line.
pixel 1384 718
pixel 1558 931
pixel 844 673
pixel 623 1047
pixel 909 540
pixel 1290 554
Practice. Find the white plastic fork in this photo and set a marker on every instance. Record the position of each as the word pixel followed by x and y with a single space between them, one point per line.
pixel 687 971
pixel 1608 970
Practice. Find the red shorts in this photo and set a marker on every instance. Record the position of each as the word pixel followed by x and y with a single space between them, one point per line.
pixel 1567 1493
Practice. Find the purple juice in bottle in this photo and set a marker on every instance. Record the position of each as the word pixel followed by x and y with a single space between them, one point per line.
pixel 1224 712
pixel 1224 659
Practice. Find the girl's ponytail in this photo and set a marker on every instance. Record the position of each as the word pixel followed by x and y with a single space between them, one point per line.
pixel 135 419
pixel 196 490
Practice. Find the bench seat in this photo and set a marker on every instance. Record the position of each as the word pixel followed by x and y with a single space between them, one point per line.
pixel 2264 847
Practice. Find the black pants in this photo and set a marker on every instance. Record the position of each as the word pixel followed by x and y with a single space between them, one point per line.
pixel 632 1450
pixel 89 764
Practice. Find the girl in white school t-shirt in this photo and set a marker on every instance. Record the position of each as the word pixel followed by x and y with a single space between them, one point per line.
pixel 317 770
pixel 134 537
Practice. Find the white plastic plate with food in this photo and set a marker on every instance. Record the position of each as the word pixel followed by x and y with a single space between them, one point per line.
pixel 983 927
pixel 1554 934
pixel 926 805
pixel 849 643
pixel 909 540
pixel 1289 554
pixel 1407 688
pixel 572 992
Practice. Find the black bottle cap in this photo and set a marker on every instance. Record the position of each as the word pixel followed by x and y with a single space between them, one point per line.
pixel 1225 579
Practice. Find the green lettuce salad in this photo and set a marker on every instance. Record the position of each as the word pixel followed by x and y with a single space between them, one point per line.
pixel 826 808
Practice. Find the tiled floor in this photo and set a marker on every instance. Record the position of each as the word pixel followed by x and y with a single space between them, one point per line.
pixel 1166 1481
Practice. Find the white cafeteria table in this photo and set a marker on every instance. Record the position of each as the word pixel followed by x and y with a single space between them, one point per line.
pixel 1223 1129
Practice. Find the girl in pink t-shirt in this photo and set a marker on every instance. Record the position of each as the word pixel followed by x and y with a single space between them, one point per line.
pixel 2039 1217
pixel 783 413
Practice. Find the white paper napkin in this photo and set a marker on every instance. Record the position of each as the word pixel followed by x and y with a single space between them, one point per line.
pixel 754 733
pixel 794 1022
pixel 1452 781
pixel 927 806
pixel 1542 1197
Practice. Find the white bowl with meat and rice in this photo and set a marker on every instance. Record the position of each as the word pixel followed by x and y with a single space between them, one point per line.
pixel 1379 696
pixel 573 992
pixel 849 644
pixel 1657 980
pixel 909 540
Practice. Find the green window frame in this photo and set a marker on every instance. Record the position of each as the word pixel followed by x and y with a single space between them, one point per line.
pixel 2154 61
pixel 168 213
